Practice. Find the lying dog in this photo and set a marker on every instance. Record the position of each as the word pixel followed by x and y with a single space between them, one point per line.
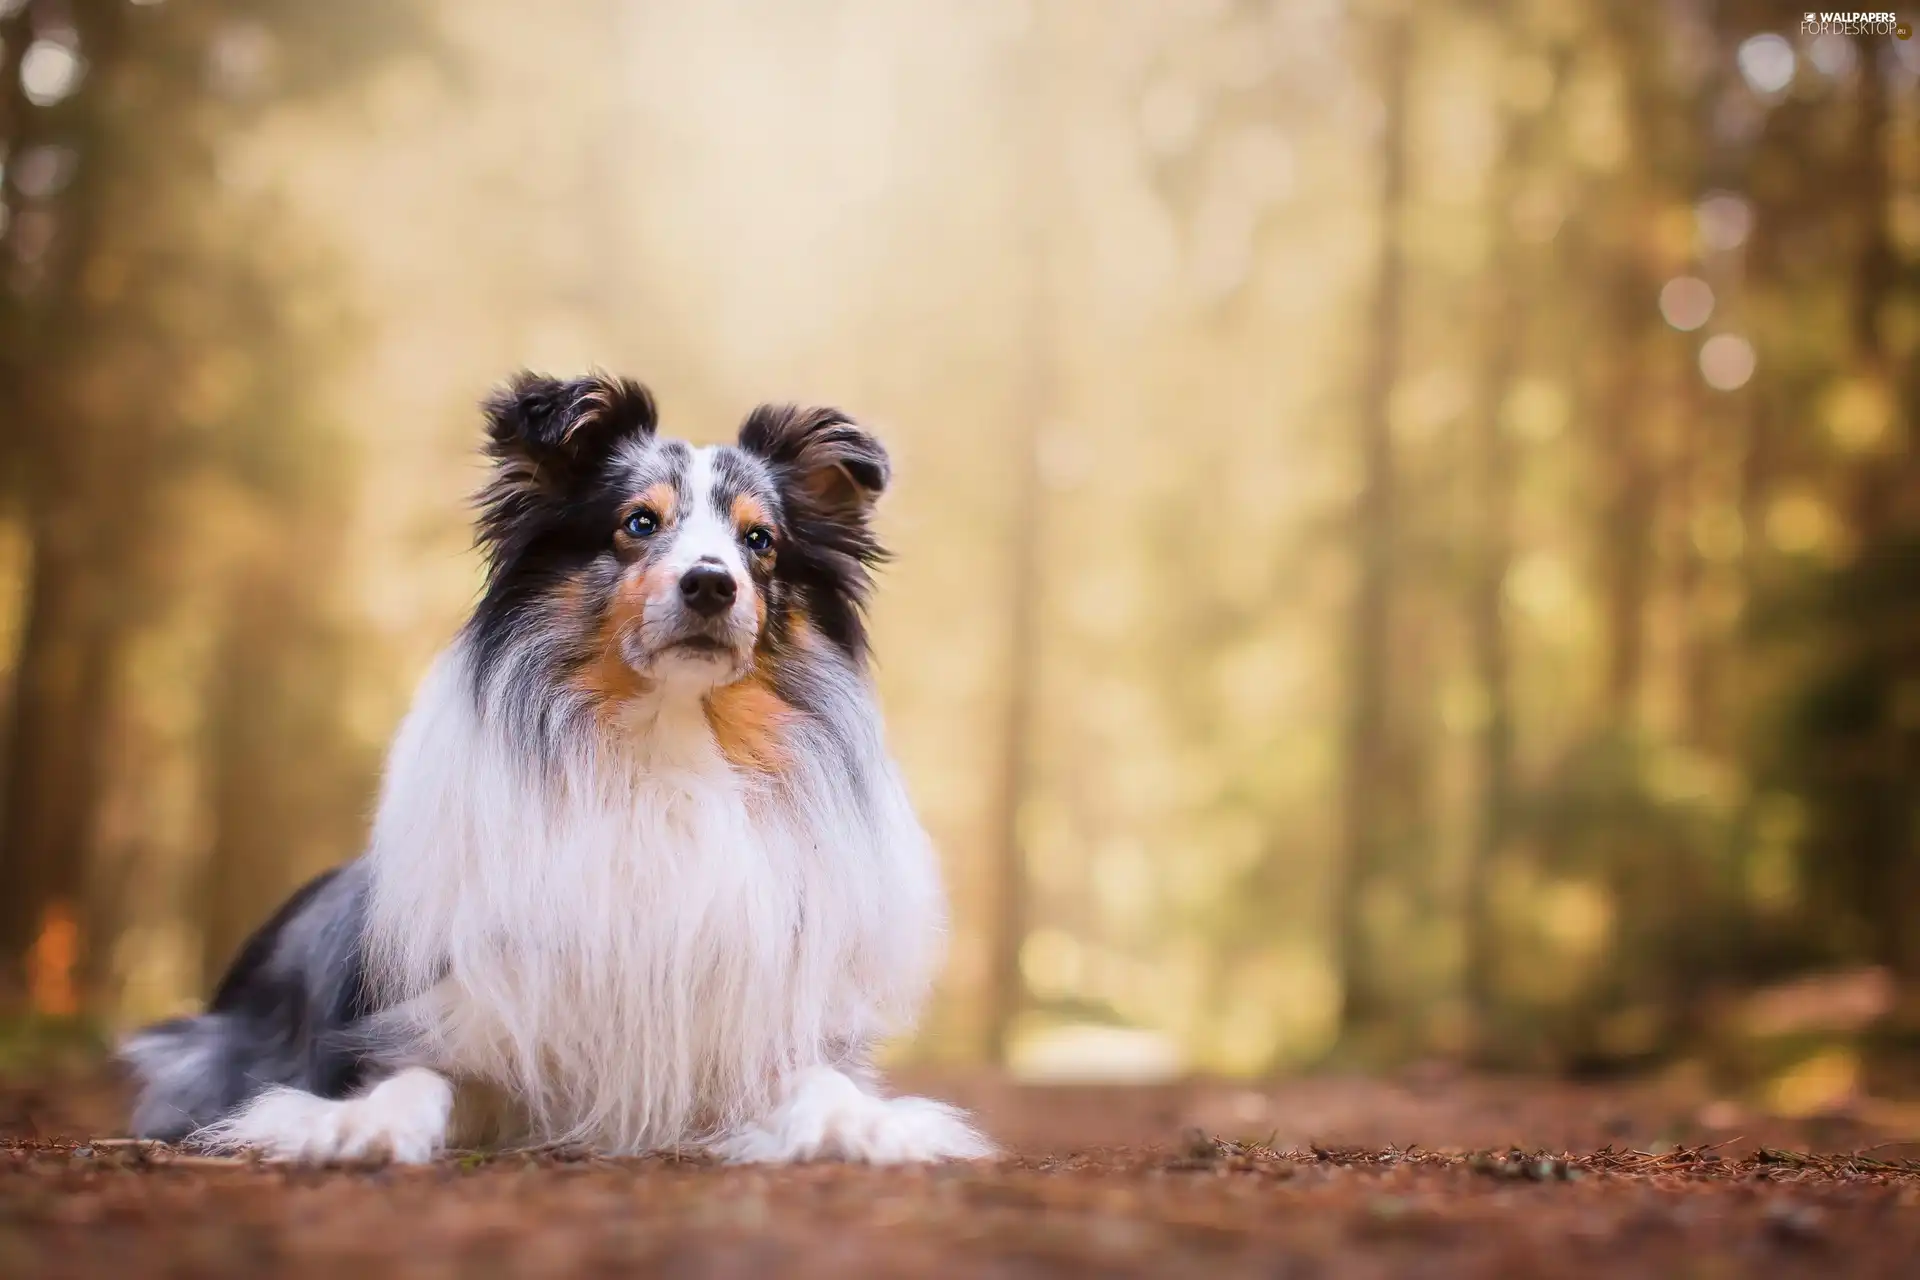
pixel 643 875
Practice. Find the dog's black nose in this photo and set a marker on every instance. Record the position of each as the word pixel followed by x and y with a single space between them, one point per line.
pixel 707 589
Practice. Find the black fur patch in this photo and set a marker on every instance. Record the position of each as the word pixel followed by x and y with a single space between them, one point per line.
pixel 550 506
pixel 829 473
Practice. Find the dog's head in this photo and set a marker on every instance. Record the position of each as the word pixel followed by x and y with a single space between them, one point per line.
pixel 619 558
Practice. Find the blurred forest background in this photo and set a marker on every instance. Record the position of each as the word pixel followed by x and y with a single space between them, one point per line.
pixel 1432 486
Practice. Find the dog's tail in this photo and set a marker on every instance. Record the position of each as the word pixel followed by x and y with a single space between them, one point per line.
pixel 288 1013
pixel 190 1072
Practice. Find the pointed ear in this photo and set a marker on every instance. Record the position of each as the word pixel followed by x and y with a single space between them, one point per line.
pixel 544 433
pixel 821 457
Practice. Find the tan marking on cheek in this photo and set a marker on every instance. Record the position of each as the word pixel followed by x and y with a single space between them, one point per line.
pixel 605 677
pixel 747 719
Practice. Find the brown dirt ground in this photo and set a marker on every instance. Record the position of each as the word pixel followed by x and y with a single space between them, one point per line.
pixel 1423 1174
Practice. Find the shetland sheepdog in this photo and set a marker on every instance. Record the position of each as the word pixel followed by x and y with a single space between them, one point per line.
pixel 642 875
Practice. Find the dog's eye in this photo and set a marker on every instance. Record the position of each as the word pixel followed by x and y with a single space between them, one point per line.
pixel 641 524
pixel 759 539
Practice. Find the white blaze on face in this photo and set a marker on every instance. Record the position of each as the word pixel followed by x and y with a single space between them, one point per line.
pixel 706 533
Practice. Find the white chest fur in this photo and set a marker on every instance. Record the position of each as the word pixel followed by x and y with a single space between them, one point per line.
pixel 635 941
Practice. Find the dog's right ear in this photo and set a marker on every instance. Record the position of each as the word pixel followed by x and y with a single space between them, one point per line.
pixel 545 434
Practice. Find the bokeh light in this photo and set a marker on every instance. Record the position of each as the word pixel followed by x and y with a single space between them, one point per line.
pixel 1727 361
pixel 42 172
pixel 1686 302
pixel 1766 62
pixel 1799 523
pixel 1723 221
pixel 1834 55
pixel 50 70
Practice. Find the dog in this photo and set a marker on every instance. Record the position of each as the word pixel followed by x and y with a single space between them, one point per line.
pixel 642 874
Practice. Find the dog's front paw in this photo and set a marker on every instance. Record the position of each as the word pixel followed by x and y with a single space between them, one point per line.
pixel 826 1116
pixel 403 1119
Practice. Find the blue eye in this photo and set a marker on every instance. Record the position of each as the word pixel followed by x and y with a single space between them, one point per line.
pixel 759 539
pixel 641 524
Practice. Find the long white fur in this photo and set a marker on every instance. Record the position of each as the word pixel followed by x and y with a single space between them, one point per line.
pixel 637 945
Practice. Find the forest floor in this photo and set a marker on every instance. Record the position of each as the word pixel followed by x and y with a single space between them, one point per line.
pixel 1426 1173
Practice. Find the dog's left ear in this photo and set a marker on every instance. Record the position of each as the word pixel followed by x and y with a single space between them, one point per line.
pixel 822 458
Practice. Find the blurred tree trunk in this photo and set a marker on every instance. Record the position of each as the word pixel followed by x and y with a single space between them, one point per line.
pixel 1006 989
pixel 1711 426
pixel 243 877
pixel 59 702
pixel 1631 497
pixel 81 504
pixel 15 34
pixel 1369 800
pixel 1007 927
pixel 1881 514
pixel 1495 477
pixel 1697 671
pixel 1492 660
pixel 1629 471
pixel 15 934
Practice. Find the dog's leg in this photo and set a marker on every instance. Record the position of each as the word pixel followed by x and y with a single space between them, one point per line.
pixel 404 1118
pixel 825 1115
